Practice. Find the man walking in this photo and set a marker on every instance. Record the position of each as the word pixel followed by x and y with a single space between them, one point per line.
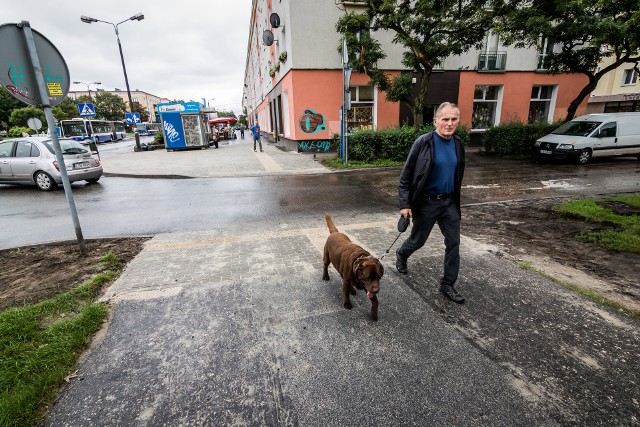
pixel 256 135
pixel 429 193
pixel 242 128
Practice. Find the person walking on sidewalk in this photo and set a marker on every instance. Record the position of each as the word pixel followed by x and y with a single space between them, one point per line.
pixel 429 193
pixel 242 128
pixel 256 135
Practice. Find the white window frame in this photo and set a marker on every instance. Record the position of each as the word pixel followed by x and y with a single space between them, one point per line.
pixel 498 101
pixel 552 100
pixel 629 77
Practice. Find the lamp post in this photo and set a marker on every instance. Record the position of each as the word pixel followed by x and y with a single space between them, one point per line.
pixel 138 17
pixel 88 88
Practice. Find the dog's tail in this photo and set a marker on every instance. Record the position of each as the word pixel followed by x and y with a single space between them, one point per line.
pixel 330 224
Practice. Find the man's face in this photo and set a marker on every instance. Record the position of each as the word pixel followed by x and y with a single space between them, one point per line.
pixel 448 121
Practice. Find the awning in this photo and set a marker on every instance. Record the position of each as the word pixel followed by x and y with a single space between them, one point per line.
pixel 223 120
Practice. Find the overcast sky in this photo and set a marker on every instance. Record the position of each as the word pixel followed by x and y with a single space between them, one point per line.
pixel 183 49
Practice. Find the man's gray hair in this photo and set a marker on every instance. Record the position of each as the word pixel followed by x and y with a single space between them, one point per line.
pixel 445 105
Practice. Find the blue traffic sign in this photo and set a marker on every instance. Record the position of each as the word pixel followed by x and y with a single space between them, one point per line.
pixel 132 118
pixel 86 110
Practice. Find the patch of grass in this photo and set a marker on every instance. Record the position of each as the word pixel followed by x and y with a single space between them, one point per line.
pixel 526 265
pixel 40 344
pixel 336 163
pixel 626 235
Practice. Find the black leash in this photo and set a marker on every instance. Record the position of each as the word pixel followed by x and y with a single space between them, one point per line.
pixel 403 224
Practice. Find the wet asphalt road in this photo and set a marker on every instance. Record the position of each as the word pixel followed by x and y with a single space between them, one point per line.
pixel 119 206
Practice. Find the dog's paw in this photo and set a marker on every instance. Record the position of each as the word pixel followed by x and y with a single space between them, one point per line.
pixel 353 290
pixel 374 317
pixel 348 305
pixel 325 277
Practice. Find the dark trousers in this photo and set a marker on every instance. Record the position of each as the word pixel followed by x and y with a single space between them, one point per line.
pixel 258 141
pixel 425 215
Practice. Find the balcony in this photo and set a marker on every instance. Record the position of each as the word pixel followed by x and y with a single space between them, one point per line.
pixel 492 61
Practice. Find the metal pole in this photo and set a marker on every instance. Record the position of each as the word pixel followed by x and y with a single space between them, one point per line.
pixel 126 81
pixel 44 96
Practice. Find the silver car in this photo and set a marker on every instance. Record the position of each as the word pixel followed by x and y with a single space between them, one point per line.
pixel 32 160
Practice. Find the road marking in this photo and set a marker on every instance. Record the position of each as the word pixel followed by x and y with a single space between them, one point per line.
pixel 268 163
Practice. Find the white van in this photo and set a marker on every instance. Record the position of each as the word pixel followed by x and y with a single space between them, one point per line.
pixel 593 135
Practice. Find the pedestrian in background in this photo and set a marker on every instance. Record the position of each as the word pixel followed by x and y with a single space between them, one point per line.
pixel 255 129
pixel 429 193
pixel 242 128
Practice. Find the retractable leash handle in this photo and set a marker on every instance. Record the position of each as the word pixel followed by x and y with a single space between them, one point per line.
pixel 403 224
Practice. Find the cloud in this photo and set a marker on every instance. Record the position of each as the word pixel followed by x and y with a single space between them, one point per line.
pixel 189 49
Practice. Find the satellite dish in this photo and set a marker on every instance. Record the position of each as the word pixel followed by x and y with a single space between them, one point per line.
pixel 267 37
pixel 274 19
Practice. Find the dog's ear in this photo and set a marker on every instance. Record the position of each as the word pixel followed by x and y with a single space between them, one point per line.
pixel 380 269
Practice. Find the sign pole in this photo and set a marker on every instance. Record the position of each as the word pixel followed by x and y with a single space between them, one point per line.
pixel 44 96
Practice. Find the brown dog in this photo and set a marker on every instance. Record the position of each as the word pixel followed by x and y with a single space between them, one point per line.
pixel 357 267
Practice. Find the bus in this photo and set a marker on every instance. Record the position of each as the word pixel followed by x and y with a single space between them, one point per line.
pixel 119 131
pixel 75 129
pixel 101 130
pixel 96 130
pixel 144 129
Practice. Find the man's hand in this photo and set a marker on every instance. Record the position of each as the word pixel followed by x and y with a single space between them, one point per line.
pixel 405 212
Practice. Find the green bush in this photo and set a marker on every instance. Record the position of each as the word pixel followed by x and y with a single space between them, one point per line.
pixel 390 143
pixel 17 131
pixel 515 138
pixel 158 138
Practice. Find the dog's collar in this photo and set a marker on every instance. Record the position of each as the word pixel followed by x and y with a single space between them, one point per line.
pixel 362 257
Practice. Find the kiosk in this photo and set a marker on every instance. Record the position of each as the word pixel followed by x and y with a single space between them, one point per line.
pixel 184 125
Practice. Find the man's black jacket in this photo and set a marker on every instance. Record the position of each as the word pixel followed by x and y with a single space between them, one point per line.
pixel 416 170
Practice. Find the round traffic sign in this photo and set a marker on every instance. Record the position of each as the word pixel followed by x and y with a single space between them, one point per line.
pixel 16 70
pixel 34 123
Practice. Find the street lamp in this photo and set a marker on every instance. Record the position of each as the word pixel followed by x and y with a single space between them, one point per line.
pixel 138 17
pixel 88 88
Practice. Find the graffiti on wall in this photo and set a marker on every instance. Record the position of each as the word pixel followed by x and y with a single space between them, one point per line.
pixel 321 145
pixel 312 121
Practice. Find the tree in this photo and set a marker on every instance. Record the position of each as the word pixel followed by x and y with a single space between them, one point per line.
pixel 109 107
pixel 226 114
pixel 20 116
pixel 585 32
pixel 8 103
pixel 67 109
pixel 144 114
pixel 428 30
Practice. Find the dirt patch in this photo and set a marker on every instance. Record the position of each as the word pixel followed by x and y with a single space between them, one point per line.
pixel 33 273
pixel 532 230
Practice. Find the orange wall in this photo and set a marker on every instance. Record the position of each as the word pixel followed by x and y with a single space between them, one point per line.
pixel 517 92
pixel 321 91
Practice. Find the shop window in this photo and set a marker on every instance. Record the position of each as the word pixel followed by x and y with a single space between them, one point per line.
pixel 360 116
pixel 485 106
pixel 540 105
pixel 630 77
pixel 622 107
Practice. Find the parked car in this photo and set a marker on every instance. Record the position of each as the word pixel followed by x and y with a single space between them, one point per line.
pixel 32 160
pixel 593 135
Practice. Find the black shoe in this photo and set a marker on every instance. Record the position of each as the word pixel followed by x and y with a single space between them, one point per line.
pixel 451 293
pixel 401 263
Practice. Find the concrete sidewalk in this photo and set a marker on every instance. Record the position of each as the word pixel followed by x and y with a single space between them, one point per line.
pixel 235 326
pixel 233 158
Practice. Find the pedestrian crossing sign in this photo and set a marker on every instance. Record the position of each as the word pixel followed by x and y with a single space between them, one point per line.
pixel 86 110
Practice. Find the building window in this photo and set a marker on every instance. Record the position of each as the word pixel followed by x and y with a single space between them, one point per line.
pixel 622 107
pixel 485 106
pixel 360 116
pixel 630 77
pixel 540 105
pixel 135 99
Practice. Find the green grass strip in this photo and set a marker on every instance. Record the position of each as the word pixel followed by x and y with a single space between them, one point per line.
pixel 526 265
pixel 40 344
pixel 626 238
pixel 336 163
